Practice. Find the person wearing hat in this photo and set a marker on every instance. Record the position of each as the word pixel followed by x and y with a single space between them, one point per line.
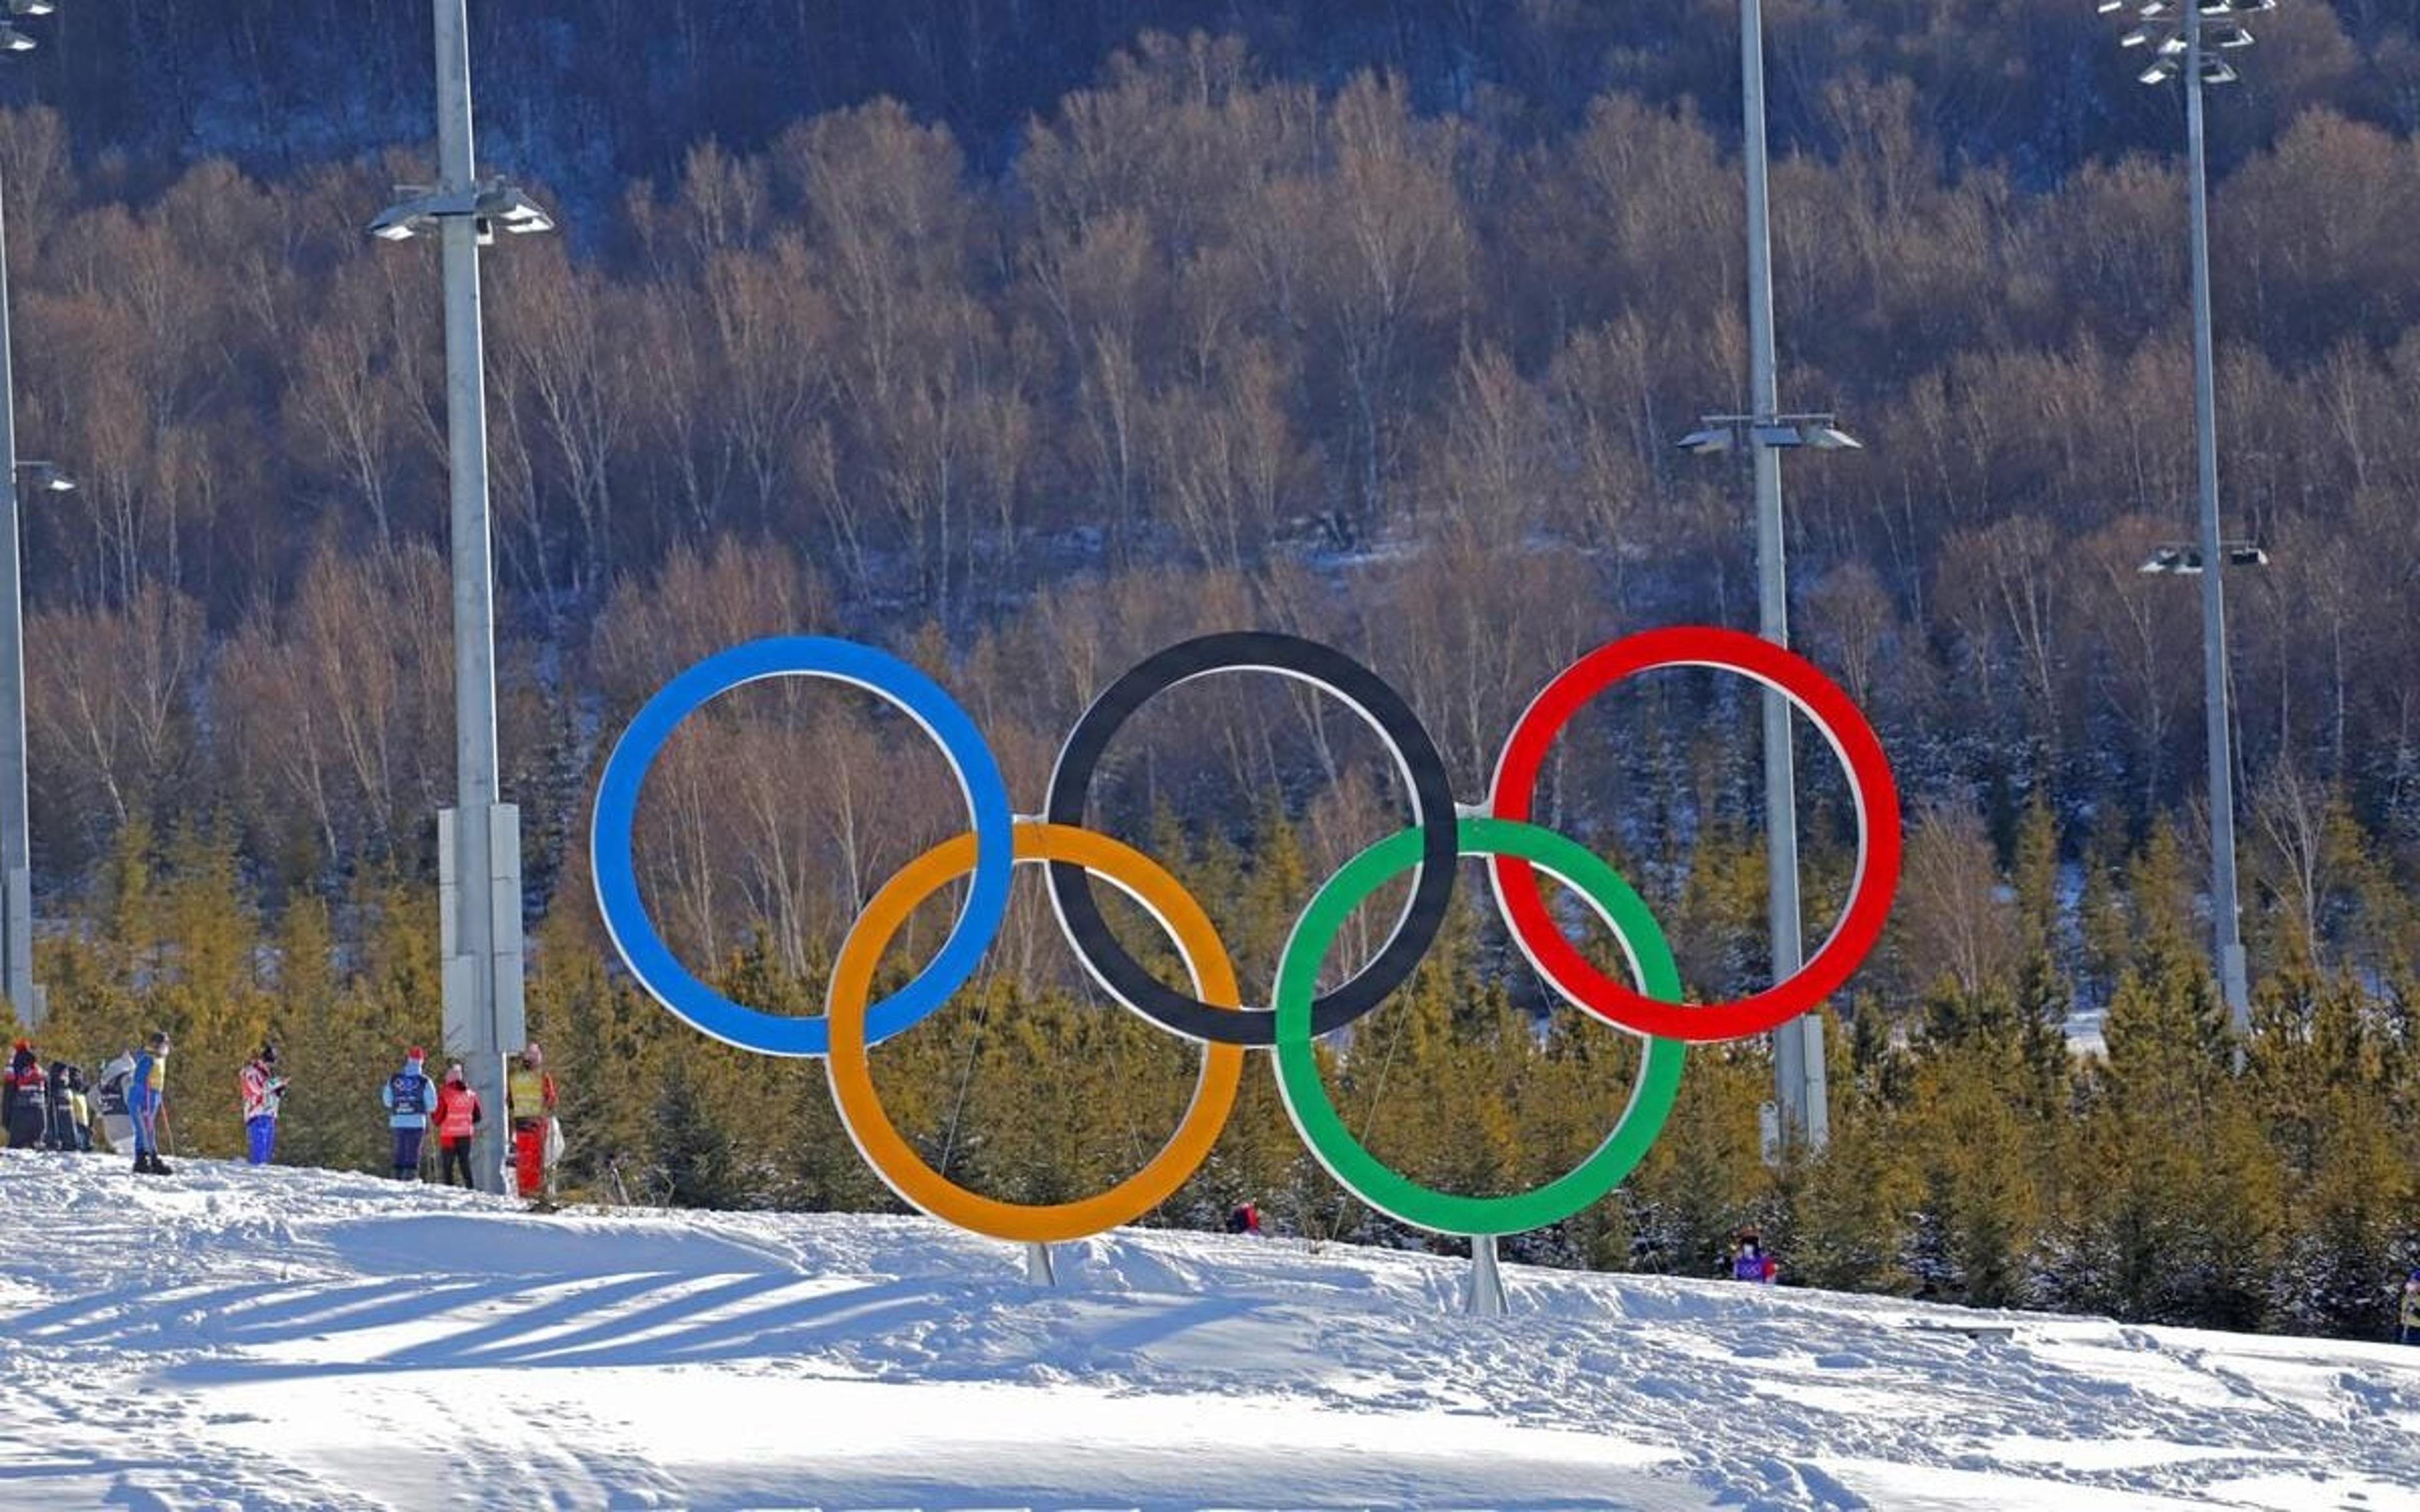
pixel 146 1099
pixel 30 1097
pixel 2410 1314
pixel 408 1096
pixel 529 1105
pixel 262 1090
pixel 458 1115
pixel 1750 1263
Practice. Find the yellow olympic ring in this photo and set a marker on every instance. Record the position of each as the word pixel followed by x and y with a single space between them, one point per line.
pixel 896 1161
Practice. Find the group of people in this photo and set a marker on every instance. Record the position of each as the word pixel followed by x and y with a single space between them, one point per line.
pixel 416 1103
pixel 44 1108
pixel 52 1108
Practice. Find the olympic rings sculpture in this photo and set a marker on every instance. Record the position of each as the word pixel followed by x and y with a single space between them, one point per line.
pixel 1213 1013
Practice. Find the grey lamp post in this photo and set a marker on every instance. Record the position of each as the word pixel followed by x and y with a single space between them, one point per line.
pixel 479 838
pixel 1802 1104
pixel 1802 1101
pixel 16 809
pixel 2184 41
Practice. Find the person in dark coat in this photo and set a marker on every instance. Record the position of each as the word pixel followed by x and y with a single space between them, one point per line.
pixel 60 1128
pixel 29 1103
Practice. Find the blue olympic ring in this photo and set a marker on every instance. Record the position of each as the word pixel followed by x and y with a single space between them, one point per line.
pixel 886 676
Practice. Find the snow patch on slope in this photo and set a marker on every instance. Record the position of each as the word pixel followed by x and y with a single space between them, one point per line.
pixel 280 1338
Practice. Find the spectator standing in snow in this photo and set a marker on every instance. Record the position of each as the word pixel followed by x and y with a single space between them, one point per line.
pixel 59 1125
pixel 1750 1263
pixel 29 1111
pixel 146 1101
pixel 529 1105
pixel 1245 1219
pixel 79 1112
pixel 2410 1314
pixel 262 1090
pixel 458 1115
pixel 407 1095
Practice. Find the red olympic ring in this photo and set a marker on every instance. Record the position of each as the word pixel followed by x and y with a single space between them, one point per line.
pixel 1520 893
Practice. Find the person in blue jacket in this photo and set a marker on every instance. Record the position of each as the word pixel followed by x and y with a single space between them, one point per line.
pixel 146 1099
pixel 408 1094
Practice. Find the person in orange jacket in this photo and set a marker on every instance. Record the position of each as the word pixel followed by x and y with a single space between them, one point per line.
pixel 458 1115
pixel 529 1103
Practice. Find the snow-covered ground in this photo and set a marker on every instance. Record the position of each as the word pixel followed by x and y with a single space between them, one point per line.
pixel 289 1339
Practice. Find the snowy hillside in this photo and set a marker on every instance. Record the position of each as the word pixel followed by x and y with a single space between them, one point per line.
pixel 286 1340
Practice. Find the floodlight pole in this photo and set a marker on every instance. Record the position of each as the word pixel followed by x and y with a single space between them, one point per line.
pixel 2224 905
pixel 1798 1046
pixel 16 842
pixel 481 843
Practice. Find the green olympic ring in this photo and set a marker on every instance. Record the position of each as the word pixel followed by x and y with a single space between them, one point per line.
pixel 1373 1180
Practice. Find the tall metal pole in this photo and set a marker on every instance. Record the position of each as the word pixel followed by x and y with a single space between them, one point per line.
pixel 2224 908
pixel 16 841
pixel 1798 1046
pixel 479 893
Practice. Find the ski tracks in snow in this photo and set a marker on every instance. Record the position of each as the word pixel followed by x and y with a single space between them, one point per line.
pixel 285 1338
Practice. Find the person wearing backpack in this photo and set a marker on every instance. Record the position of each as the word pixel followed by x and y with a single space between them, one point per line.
pixel 262 1090
pixel 147 1101
pixel 458 1115
pixel 407 1095
pixel 529 1105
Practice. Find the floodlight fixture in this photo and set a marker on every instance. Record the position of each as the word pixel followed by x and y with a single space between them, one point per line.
pixel 2217 70
pixel 13 40
pixel 493 205
pixel 2186 561
pixel 32 8
pixel 2160 72
pixel 1719 434
pixel 45 477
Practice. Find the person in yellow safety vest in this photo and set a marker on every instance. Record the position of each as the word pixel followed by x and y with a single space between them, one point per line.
pixel 529 1107
pixel 2410 1317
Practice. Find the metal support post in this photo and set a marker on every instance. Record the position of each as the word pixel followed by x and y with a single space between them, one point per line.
pixel 1485 1297
pixel 487 865
pixel 1797 1046
pixel 2224 908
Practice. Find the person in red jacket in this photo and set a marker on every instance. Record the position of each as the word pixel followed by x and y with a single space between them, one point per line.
pixel 458 1115
pixel 529 1101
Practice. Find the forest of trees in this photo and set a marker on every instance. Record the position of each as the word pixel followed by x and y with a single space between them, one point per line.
pixel 1025 360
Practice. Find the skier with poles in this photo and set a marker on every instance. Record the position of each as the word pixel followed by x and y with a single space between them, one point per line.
pixel 407 1095
pixel 262 1091
pixel 146 1099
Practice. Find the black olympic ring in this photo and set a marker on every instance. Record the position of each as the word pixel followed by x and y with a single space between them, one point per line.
pixel 1434 813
